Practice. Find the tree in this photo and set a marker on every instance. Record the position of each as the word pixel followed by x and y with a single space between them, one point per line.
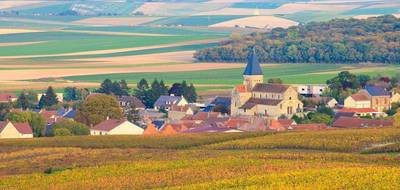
pixel 106 87
pixel 4 110
pixel 176 89
pixel 50 97
pixel 124 87
pixel 142 85
pixel 61 132
pixel 97 108
pixel 132 114
pixel 325 110
pixel 23 101
pixel 191 94
pixel 163 88
pixel 396 119
pixel 363 80
pixel 35 120
pixel 275 81
pixel 70 94
pixel 321 118
pixel 73 128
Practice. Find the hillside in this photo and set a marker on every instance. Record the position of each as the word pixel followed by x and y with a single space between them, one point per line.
pixel 333 159
pixel 337 41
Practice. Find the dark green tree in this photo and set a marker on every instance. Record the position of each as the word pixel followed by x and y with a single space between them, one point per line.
pixel 50 97
pixel 23 101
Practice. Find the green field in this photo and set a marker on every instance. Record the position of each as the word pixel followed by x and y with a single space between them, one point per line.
pixel 332 159
pixel 289 73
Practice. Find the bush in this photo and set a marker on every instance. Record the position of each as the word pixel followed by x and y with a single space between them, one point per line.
pixel 73 128
pixel 61 132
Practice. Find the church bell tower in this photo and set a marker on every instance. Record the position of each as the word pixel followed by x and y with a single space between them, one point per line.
pixel 253 73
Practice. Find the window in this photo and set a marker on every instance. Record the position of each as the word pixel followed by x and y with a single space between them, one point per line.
pixel 290 98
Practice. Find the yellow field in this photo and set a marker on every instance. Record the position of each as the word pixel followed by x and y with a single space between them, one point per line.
pixel 258 22
pixel 16 31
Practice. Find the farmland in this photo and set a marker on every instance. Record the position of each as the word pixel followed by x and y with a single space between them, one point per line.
pixel 76 42
pixel 306 160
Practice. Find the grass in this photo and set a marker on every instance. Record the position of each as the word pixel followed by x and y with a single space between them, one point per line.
pixel 65 42
pixel 193 162
pixel 289 73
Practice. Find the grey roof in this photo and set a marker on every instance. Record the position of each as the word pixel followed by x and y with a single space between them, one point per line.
pixel 166 101
pixel 271 88
pixel 255 101
pixel 376 91
pixel 132 99
pixel 253 66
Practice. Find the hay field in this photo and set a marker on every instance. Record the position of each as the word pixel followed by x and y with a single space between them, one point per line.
pixel 16 31
pixel 258 22
pixel 6 4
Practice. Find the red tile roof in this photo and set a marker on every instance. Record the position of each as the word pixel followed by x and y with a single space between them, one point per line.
pixel 358 110
pixel 109 125
pixel 170 129
pixel 7 97
pixel 150 130
pixel 205 115
pixel 179 108
pixel 311 126
pixel 351 122
pixel 22 128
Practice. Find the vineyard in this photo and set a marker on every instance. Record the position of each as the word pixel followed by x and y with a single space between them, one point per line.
pixel 333 159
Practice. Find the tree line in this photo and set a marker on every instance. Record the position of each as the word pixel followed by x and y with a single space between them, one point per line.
pixel 373 40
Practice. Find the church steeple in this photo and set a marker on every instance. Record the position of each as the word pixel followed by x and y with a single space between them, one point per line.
pixel 252 73
pixel 253 66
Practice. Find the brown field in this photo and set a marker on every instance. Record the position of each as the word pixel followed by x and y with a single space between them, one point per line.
pixel 257 22
pixel 116 21
pixel 12 4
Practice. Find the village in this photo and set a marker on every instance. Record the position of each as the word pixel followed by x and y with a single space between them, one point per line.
pixel 254 106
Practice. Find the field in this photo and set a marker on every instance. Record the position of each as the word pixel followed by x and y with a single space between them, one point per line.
pixel 81 43
pixel 333 159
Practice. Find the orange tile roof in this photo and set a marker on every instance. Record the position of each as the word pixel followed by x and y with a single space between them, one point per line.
pixel 358 110
pixel 360 97
pixel 150 130
pixel 240 88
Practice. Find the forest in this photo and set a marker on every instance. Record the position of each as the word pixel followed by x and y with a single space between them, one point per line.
pixel 372 40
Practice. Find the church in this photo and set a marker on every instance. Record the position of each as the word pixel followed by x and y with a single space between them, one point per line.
pixel 254 97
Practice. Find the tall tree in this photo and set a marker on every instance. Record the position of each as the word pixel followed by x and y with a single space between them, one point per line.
pixel 176 89
pixel 23 101
pixel 191 95
pixel 142 85
pixel 106 87
pixel 97 108
pixel 50 97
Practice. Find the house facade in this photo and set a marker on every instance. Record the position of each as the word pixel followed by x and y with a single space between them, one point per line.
pixel 7 98
pixel 254 97
pixel 165 102
pixel 15 130
pixel 380 98
pixel 116 127
pixel 358 100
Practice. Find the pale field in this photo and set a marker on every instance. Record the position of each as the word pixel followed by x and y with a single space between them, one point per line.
pixel 16 31
pixel 97 52
pixel 258 22
pixel 15 3
pixel 179 9
pixel 116 21
pixel 20 43
pixel 284 9
pixel 384 5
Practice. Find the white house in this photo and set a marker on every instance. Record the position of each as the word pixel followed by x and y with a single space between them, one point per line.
pixel 311 89
pixel 60 96
pixel 165 102
pixel 359 100
pixel 15 130
pixel 116 127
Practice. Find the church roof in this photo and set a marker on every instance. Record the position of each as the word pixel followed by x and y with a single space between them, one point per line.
pixel 256 101
pixel 253 66
pixel 271 88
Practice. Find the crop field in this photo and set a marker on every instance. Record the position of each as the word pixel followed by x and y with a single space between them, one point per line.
pixel 194 20
pixel 333 159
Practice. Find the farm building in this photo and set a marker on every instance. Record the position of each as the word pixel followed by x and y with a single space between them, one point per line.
pixel 116 127
pixel 15 130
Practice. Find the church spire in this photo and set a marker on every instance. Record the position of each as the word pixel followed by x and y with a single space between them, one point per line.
pixel 253 66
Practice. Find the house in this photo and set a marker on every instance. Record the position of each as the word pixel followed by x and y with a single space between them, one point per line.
pixel 116 127
pixel 327 101
pixel 351 122
pixel 281 124
pixel 358 100
pixel 212 129
pixel 170 129
pixel 51 116
pixel 67 113
pixel 7 98
pixel 306 127
pixel 60 96
pixel 126 102
pixel 165 102
pixel 15 130
pixel 223 101
pixel 361 112
pixel 178 112
pixel 380 98
pixel 395 98
pixel 202 116
pixel 267 100
pixel 311 90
